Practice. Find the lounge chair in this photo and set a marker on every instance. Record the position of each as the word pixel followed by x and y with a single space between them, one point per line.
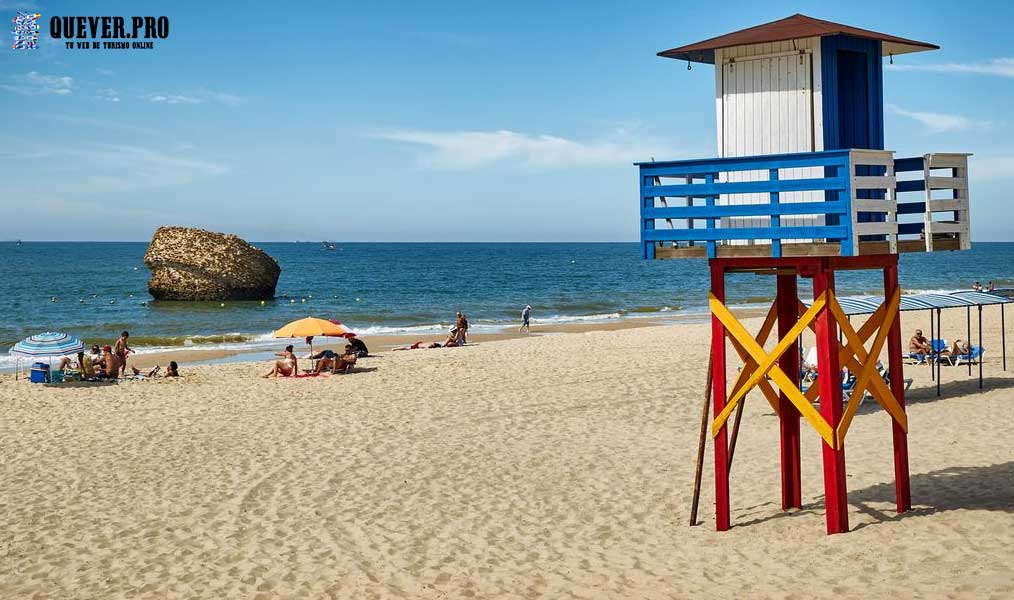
pixel 349 366
pixel 973 356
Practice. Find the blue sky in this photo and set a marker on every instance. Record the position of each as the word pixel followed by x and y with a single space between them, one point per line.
pixel 435 122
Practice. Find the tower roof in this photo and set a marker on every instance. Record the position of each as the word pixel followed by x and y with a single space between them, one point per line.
pixel 794 27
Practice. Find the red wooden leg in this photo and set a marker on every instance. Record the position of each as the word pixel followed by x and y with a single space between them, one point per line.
pixel 903 494
pixel 788 414
pixel 722 518
pixel 829 379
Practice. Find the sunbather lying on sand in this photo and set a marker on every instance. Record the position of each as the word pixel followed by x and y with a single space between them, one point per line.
pixel 960 348
pixel 419 345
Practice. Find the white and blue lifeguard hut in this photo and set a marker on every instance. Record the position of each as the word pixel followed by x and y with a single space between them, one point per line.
pixel 802 187
pixel 802 168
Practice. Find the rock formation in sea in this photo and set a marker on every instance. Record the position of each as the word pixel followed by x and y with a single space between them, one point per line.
pixel 193 264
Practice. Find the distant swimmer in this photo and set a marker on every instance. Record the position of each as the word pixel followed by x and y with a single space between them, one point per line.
pixel 525 315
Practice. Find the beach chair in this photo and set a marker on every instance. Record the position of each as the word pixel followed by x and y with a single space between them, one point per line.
pixel 350 366
pixel 848 385
pixel 973 356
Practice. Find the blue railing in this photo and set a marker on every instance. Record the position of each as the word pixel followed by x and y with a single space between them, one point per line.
pixel 702 187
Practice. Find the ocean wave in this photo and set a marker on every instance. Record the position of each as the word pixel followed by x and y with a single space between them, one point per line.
pixel 650 309
pixel 238 341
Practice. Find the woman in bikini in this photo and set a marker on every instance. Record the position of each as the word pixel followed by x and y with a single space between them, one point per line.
pixel 287 366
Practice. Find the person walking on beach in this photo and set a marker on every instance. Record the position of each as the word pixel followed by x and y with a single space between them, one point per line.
pixel 121 349
pixel 525 314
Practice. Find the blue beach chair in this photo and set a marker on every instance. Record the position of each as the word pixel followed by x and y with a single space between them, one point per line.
pixel 974 355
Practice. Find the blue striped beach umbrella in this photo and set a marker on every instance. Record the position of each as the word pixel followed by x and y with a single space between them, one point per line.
pixel 47 345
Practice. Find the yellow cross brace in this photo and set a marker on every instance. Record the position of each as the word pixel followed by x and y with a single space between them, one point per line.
pixel 864 364
pixel 767 364
pixel 750 365
pixel 854 356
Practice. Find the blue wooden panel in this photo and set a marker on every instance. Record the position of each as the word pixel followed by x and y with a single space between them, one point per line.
pixel 904 165
pixel 709 201
pixel 911 208
pixel 745 187
pixel 745 210
pixel 702 167
pixel 747 233
pixel 915 185
pixel 904 228
pixel 836 210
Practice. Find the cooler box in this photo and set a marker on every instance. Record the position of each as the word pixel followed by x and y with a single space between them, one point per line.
pixel 39 373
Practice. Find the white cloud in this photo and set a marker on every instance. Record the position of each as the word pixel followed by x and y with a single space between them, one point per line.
pixel 108 94
pixel 34 83
pixel 470 149
pixel 114 168
pixel 85 169
pixel 940 122
pixel 197 97
pixel 1001 67
pixel 173 99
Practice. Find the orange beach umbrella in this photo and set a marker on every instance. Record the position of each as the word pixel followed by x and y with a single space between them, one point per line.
pixel 311 326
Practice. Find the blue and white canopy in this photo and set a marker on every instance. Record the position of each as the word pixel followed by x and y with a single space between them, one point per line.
pixel 861 305
pixel 47 345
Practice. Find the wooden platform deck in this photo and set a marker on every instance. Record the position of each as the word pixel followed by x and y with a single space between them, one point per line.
pixel 805 249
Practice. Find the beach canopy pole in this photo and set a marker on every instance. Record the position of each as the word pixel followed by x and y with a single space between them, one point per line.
pixel 968 340
pixel 702 440
pixel 936 359
pixel 980 345
pixel 1003 339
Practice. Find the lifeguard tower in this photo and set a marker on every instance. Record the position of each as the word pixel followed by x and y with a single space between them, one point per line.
pixel 803 187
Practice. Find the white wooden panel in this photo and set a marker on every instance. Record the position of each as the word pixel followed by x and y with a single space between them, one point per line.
pixel 949 205
pixel 767 108
pixel 947 183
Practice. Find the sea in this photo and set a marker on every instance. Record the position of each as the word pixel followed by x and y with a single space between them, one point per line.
pixel 96 289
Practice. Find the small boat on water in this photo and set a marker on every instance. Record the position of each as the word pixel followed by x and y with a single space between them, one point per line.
pixel 329 245
pixel 17 242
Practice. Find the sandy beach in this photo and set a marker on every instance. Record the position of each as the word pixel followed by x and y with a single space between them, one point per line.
pixel 543 467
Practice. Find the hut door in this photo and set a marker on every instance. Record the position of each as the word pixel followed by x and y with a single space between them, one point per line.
pixel 853 100
pixel 767 108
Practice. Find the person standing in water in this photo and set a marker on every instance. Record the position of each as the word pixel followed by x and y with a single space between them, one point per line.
pixel 525 315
